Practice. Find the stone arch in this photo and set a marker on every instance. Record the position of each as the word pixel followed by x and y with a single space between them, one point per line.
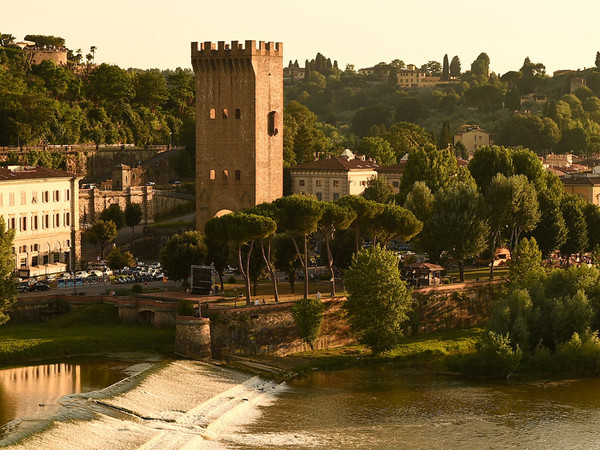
pixel 146 316
pixel 222 212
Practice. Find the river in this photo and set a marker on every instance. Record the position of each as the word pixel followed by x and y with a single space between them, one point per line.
pixel 187 404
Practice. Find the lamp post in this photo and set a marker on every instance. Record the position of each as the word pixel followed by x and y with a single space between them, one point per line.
pixel 170 139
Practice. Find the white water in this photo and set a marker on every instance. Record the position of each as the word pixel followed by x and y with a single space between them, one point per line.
pixel 183 404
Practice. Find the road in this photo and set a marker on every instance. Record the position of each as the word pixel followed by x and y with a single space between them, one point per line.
pixel 100 289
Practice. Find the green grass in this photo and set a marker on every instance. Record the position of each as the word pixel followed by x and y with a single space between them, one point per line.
pixel 91 329
pixel 483 273
pixel 428 350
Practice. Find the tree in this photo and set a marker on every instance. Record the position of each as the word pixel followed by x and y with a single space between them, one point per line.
pixel 271 211
pixel 481 66
pixel 115 214
pixel 118 259
pixel 240 229
pixel 525 266
pixel 577 238
pixel 459 224
pixel 512 99
pixel 378 300
pixel 394 222
pixel 218 256
pixel 181 252
pixel 8 286
pixel 421 202
pixel 455 67
pixel 551 231
pixel 597 60
pixel 378 190
pixel 437 168
pixel 102 232
pixel 446 137
pixel 334 219
pixel 133 215
pixel 300 216
pixel 445 69
pixel 379 149
pixel 487 162
pixel 110 84
pixel 365 211
pixel 433 68
pixel 150 89
pixel 308 315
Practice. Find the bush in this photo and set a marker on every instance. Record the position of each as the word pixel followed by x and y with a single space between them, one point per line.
pixel 231 280
pixel 186 308
pixel 137 288
pixel 495 357
pixel 308 314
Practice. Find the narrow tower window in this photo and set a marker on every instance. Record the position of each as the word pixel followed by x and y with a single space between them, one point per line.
pixel 238 175
pixel 225 174
pixel 238 113
pixel 211 174
pixel 225 113
pixel 212 113
pixel 271 121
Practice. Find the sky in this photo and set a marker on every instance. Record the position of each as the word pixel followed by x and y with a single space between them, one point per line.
pixel 150 34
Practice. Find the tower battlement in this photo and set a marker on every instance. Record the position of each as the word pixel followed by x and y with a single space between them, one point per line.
pixel 236 49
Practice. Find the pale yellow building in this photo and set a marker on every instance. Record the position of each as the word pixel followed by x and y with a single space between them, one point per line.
pixel 586 187
pixel 411 77
pixel 473 138
pixel 333 177
pixel 41 205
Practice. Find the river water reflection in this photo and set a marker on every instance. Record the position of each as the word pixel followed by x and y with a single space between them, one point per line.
pixel 186 404
pixel 33 391
pixel 390 408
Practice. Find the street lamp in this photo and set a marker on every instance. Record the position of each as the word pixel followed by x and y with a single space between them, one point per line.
pixel 170 139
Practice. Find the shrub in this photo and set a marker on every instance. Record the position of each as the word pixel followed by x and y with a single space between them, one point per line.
pixel 186 308
pixel 379 302
pixel 495 357
pixel 137 288
pixel 231 280
pixel 308 314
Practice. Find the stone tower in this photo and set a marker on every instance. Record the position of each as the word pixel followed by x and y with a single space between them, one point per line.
pixel 239 126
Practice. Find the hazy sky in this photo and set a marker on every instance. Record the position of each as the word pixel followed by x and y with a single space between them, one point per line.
pixel 147 34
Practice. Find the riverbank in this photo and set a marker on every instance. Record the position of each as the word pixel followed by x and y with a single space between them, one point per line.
pixel 88 330
pixel 430 351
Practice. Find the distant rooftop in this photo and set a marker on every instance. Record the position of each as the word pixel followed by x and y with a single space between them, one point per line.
pixel 30 172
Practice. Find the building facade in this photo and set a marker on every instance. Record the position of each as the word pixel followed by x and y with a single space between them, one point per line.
pixel 41 205
pixel 239 126
pixel 411 77
pixel 333 177
pixel 473 138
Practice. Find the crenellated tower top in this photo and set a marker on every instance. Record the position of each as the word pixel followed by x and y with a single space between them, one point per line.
pixel 236 49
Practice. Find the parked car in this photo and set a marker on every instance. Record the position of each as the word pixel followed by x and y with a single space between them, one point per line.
pixel 40 286
pixel 23 286
pixel 150 183
pixel 95 273
pixel 81 274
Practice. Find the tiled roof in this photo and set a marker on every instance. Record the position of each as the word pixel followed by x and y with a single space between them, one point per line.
pixel 590 181
pixel 29 173
pixel 336 163
pixel 394 168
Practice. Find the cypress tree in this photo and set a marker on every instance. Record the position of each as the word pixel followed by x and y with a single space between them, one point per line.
pixel 445 69
pixel 455 67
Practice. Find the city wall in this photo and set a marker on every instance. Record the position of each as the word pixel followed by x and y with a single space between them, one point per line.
pixel 271 329
pixel 93 201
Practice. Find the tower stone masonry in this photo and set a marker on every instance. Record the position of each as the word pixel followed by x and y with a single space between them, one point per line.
pixel 239 126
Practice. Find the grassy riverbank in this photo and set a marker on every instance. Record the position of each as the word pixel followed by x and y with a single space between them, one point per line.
pixel 426 351
pixel 87 330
